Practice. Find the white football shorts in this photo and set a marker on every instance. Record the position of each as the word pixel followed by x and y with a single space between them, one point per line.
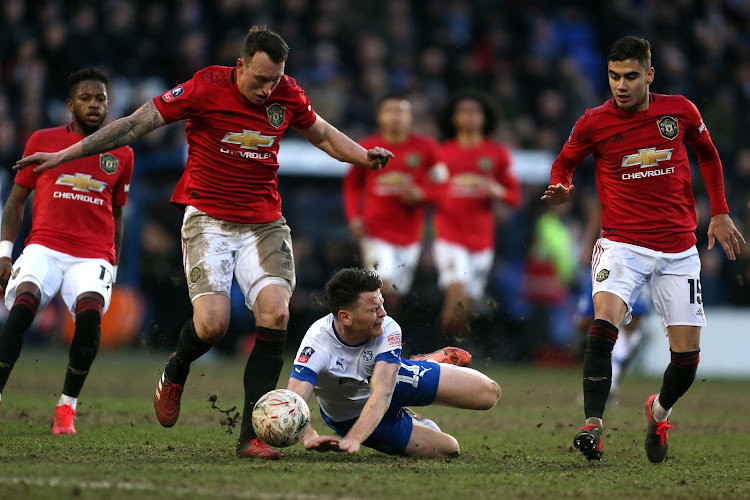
pixel 54 272
pixel 456 264
pixel 214 250
pixel 395 264
pixel 674 278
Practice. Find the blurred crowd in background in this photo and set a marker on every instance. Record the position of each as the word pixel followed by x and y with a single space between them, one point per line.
pixel 542 62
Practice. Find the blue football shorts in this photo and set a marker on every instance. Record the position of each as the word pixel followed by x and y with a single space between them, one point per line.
pixel 417 385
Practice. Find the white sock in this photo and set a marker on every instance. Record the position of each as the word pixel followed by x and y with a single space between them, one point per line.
pixel 660 414
pixel 595 421
pixel 67 400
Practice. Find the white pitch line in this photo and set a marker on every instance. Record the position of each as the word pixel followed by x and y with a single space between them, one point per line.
pixel 54 482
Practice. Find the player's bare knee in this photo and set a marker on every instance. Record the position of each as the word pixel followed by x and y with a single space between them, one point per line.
pixel 449 447
pixel 276 317
pixel 493 394
pixel 487 395
pixel 211 330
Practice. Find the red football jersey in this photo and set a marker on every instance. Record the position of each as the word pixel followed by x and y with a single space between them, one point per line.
pixel 464 215
pixel 642 170
pixel 375 196
pixel 72 209
pixel 232 143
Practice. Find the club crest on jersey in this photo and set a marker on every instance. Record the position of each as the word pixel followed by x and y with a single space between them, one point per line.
pixel 195 274
pixel 276 114
pixel 485 164
pixel 668 127
pixel 367 356
pixel 108 162
pixel 602 275
pixel 412 160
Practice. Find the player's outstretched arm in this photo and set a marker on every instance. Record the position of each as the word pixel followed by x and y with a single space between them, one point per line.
pixel 382 385
pixel 722 228
pixel 325 136
pixel 11 224
pixel 118 133
pixel 558 194
pixel 311 440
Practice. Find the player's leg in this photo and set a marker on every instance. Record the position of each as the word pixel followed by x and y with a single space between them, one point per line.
pixel 427 442
pixel 461 387
pixel 623 352
pixel 208 246
pixel 265 273
pixel 86 290
pixel 398 433
pixel 34 280
pixel 613 295
pixel 23 305
pixel 380 256
pixel 453 265
pixel 264 364
pixel 678 301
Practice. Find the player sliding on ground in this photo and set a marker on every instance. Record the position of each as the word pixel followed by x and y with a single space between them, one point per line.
pixel 351 361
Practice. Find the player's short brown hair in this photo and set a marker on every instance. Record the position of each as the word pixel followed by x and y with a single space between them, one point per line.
pixel 262 39
pixel 344 287
pixel 631 47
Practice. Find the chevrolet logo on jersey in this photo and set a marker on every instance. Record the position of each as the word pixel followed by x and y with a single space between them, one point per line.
pixel 649 157
pixel 249 139
pixel 81 182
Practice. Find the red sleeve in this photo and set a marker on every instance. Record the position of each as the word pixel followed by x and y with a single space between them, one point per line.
pixel 575 149
pixel 509 181
pixel 179 103
pixel 122 188
pixel 354 191
pixel 26 176
pixel 699 139
pixel 304 115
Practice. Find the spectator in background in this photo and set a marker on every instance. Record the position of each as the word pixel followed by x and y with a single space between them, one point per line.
pixel 75 241
pixel 385 208
pixel 479 176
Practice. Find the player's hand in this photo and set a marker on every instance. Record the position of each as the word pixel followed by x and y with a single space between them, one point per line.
pixel 722 228
pixel 495 189
pixel 378 158
pixel 558 194
pixel 322 443
pixel 5 270
pixel 43 161
pixel 349 445
pixel 412 194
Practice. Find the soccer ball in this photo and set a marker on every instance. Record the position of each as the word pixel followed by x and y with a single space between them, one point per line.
pixel 281 417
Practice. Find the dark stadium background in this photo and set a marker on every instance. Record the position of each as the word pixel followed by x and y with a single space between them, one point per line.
pixel 543 63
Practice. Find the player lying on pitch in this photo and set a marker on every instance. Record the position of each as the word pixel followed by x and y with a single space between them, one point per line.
pixel 351 361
